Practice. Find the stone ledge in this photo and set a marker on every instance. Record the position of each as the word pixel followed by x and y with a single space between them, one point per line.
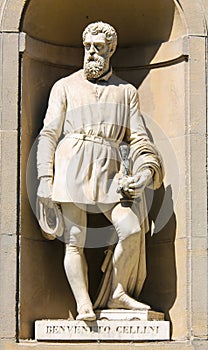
pixel 72 56
pixel 169 345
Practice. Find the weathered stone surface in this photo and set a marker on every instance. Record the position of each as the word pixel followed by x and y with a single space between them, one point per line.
pixel 181 306
pixel 199 269
pixel 7 286
pixel 8 182
pixel 10 81
pixel 198 184
pixel 165 103
pixel 11 14
pixel 101 330
pixel 44 292
pixel 167 345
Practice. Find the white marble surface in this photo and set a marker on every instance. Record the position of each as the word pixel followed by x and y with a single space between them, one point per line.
pixel 121 314
pixel 63 330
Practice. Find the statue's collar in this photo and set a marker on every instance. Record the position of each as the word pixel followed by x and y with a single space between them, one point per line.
pixel 106 76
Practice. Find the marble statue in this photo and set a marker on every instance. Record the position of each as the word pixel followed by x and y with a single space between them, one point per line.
pixel 90 113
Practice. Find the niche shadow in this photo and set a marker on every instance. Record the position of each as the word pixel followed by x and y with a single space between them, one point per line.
pixel 160 287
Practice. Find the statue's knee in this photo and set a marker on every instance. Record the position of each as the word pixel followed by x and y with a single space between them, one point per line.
pixel 73 249
pixel 124 231
pixel 75 236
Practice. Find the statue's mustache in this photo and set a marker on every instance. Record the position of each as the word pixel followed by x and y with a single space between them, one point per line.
pixel 94 58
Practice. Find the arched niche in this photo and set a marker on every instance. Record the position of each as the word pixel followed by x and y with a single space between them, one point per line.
pixel 152 54
pixel 44 291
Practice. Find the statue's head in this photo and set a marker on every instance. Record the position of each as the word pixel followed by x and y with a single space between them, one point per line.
pixel 100 40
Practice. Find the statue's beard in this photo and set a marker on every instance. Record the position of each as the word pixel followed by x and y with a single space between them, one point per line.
pixel 94 67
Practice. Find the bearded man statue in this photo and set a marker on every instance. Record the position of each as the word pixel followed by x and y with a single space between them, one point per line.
pixel 93 111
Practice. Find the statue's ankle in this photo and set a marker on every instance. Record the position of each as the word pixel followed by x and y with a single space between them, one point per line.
pixel 117 295
pixel 84 306
pixel 85 312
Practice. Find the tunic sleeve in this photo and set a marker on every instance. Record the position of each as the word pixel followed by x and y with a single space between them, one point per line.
pixel 51 131
pixel 143 152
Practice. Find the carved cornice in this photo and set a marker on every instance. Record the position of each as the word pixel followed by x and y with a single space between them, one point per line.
pixel 126 59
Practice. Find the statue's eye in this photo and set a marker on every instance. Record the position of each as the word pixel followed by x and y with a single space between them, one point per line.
pixel 99 46
pixel 87 46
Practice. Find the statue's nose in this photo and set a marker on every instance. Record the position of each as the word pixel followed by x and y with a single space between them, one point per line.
pixel 92 50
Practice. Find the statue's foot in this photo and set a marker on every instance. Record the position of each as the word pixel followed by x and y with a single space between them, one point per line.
pixel 126 302
pixel 86 313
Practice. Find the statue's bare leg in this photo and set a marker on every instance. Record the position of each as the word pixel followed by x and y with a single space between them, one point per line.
pixel 74 262
pixel 126 258
pixel 75 271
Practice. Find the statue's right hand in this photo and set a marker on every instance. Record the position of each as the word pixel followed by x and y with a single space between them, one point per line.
pixel 45 190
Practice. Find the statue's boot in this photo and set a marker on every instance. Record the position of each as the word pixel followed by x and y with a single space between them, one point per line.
pixel 125 259
pixel 76 271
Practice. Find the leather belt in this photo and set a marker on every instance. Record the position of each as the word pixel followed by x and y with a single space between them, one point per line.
pixel 94 138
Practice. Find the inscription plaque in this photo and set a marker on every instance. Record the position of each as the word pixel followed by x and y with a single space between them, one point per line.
pixel 101 330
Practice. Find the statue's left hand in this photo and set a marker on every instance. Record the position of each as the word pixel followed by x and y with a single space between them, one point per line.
pixel 139 182
pixel 44 192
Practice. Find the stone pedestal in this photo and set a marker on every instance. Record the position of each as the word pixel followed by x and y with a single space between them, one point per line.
pixel 130 315
pixel 110 325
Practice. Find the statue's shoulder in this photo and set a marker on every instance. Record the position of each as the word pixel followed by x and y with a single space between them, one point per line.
pixel 69 79
pixel 116 80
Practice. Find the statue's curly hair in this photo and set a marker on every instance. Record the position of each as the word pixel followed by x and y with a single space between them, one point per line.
pixel 101 27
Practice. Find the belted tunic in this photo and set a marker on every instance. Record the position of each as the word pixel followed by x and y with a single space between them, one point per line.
pixel 83 127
